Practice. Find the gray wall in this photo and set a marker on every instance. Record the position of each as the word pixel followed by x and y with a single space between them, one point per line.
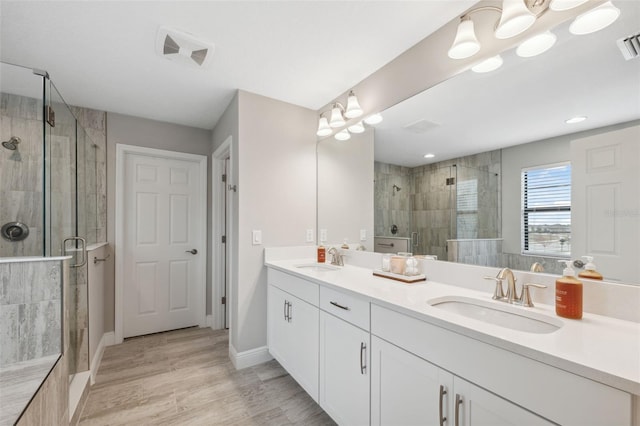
pixel 151 134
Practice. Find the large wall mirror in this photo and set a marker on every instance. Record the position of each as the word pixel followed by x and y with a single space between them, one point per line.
pixel 485 129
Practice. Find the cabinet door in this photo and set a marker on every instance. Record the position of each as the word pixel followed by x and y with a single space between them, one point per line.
pixel 344 371
pixel 405 389
pixel 478 407
pixel 292 326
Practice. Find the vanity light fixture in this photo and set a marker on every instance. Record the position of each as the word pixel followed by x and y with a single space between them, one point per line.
pixel 515 19
pixel 343 135
pixel 337 120
pixel 576 119
pixel 595 19
pixel 323 127
pixel 536 45
pixel 353 106
pixel 356 128
pixel 373 119
pixel 517 16
pixel 488 65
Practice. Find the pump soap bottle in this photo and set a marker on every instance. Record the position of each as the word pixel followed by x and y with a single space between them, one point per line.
pixel 322 254
pixel 590 270
pixel 568 294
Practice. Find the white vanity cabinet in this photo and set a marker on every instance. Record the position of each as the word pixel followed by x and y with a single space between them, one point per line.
pixel 344 357
pixel 292 327
pixel 490 384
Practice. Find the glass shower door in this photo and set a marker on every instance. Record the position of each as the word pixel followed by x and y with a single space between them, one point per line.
pixel 62 237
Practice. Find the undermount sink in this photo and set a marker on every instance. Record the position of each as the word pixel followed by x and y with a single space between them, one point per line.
pixel 498 313
pixel 318 267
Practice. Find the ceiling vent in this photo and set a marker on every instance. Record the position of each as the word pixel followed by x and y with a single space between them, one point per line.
pixel 183 47
pixel 420 126
pixel 630 46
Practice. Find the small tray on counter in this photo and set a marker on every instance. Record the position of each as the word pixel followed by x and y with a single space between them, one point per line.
pixel 398 277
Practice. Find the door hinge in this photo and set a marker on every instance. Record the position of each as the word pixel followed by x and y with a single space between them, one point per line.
pixel 224 178
pixel 50 115
pixel 224 300
pixel 224 239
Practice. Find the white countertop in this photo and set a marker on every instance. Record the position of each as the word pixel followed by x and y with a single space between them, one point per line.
pixel 600 348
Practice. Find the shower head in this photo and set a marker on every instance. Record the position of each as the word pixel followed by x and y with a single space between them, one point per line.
pixel 396 188
pixel 12 143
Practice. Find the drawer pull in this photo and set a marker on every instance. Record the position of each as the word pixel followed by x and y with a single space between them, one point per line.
pixel 289 316
pixel 285 305
pixel 458 404
pixel 363 365
pixel 336 304
pixel 443 392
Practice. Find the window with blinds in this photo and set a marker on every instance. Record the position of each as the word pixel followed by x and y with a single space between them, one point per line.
pixel 546 210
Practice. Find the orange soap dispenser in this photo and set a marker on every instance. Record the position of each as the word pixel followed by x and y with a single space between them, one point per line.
pixel 590 270
pixel 568 294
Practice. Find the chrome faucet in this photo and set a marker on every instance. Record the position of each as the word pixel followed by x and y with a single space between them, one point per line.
pixel 336 258
pixel 512 292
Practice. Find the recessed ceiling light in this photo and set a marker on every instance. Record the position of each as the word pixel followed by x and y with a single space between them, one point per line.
pixel 576 119
pixel 429 155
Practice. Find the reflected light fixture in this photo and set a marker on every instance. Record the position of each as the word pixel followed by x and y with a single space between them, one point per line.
pixel 515 19
pixel 429 155
pixel 373 119
pixel 356 128
pixel 465 43
pixel 560 5
pixel 337 120
pixel 353 107
pixel 343 135
pixel 488 65
pixel 536 45
pixel 595 19
pixel 323 127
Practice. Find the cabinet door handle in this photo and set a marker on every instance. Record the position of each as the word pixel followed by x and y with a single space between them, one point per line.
pixel 289 312
pixel 337 305
pixel 363 358
pixel 284 307
pixel 443 392
pixel 458 404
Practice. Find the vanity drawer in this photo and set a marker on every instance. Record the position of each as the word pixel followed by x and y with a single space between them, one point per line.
pixel 301 288
pixel 346 306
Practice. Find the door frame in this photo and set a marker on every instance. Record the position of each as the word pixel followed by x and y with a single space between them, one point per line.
pixel 122 151
pixel 218 259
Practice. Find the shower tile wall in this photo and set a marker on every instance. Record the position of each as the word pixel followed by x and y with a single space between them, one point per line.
pixel 30 315
pixel 21 173
pixel 429 204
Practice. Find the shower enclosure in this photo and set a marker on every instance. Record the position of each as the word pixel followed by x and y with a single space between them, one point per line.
pixel 48 195
pixel 450 210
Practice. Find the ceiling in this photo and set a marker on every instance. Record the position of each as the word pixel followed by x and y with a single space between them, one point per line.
pixel 523 101
pixel 101 54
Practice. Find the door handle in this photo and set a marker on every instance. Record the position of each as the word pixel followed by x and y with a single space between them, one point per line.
pixel 192 251
pixel 84 250
pixel 458 404
pixel 443 392
pixel 363 365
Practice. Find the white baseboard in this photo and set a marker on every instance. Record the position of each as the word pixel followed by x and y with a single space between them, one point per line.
pixel 249 358
pixel 108 339
pixel 210 321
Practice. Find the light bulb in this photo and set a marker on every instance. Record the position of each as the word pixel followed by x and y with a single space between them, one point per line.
pixel 323 127
pixel 465 43
pixel 515 19
pixel 536 45
pixel 353 107
pixel 337 120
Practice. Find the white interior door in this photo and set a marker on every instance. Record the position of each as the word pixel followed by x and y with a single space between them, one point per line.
pixel 163 247
pixel 605 202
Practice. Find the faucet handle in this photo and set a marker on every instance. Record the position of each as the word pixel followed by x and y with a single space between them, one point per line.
pixel 498 293
pixel 525 298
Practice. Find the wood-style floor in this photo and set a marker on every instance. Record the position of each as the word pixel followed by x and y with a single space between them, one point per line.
pixel 185 377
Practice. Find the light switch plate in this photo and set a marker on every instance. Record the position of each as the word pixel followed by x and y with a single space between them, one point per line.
pixel 309 235
pixel 323 235
pixel 256 237
pixel 363 235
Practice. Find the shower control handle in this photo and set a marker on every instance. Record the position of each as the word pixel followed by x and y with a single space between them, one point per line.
pixel 192 251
